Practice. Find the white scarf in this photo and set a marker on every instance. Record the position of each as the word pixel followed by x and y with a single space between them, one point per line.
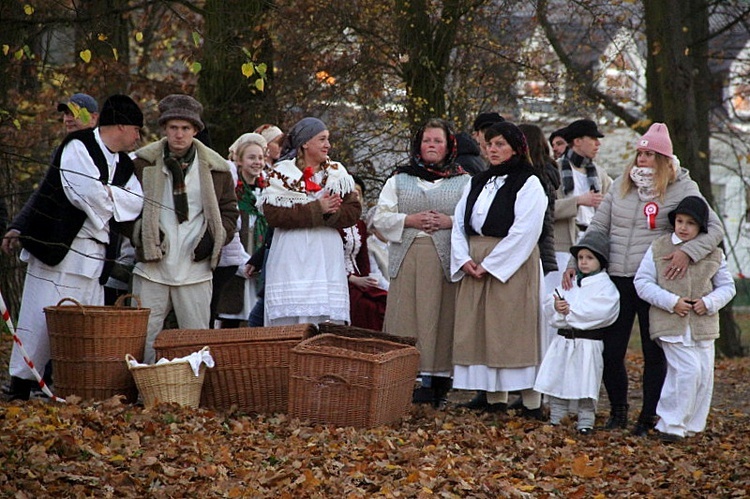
pixel 643 178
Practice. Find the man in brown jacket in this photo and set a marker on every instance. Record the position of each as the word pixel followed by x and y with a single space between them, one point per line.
pixel 189 214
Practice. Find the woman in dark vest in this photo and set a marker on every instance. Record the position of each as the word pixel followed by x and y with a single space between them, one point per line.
pixel 495 259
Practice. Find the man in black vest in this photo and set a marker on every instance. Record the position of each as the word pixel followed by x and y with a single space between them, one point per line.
pixel 64 227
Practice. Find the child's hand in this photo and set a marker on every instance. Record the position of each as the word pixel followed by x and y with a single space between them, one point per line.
pixel 683 307
pixel 561 306
pixel 699 307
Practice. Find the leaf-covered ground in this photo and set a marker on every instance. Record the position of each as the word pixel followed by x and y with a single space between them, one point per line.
pixel 110 449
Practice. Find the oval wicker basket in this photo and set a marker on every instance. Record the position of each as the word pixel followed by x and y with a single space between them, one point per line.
pixel 173 382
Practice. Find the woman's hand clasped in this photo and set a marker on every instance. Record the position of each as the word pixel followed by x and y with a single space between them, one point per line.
pixel 330 203
pixel 429 221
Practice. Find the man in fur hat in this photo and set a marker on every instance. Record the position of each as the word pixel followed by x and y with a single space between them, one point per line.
pixel 65 227
pixel 189 214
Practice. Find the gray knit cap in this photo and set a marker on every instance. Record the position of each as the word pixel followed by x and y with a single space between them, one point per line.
pixel 304 130
pixel 180 107
pixel 596 242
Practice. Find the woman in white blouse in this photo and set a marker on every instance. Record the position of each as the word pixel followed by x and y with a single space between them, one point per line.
pixel 414 215
pixel 495 258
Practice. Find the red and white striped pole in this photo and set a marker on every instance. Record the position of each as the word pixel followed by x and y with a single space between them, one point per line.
pixel 29 362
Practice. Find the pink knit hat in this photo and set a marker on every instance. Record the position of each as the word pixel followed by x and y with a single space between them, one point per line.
pixel 657 140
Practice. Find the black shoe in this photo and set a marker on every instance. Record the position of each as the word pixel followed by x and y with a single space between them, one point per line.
pixel 534 414
pixel 20 389
pixel 585 431
pixel 423 395
pixel 441 386
pixel 496 408
pixel 618 418
pixel 670 438
pixel 643 426
pixel 6 389
pixel 478 403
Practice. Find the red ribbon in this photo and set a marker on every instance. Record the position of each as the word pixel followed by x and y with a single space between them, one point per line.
pixel 310 186
pixel 651 210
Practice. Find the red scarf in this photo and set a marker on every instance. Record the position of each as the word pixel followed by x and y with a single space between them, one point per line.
pixel 307 175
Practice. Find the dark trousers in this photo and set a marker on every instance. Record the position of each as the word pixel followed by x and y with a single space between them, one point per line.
pixel 616 344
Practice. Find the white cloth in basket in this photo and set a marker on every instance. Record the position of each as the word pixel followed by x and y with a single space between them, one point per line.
pixel 195 360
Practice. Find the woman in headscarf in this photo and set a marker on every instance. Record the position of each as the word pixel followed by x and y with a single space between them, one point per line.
pixel 414 214
pixel 307 199
pixel 495 259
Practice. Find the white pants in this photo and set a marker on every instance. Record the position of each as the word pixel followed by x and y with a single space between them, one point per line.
pixel 688 388
pixel 45 286
pixel 191 303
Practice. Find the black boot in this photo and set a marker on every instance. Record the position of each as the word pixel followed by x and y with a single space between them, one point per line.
pixel 20 389
pixel 441 386
pixel 425 393
pixel 618 417
pixel 644 425
pixel 478 403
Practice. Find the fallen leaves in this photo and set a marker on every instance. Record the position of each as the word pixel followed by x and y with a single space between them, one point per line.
pixel 112 449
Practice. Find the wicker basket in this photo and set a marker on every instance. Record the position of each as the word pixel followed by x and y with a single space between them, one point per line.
pixel 360 332
pixel 351 381
pixel 88 343
pixel 174 382
pixel 251 368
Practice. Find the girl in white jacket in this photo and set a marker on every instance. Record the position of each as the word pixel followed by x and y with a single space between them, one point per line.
pixel 572 367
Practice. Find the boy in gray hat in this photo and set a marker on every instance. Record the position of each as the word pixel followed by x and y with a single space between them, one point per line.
pixel 573 366
pixel 190 214
pixel 684 320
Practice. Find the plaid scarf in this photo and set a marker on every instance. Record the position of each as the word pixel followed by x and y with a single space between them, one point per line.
pixel 177 167
pixel 566 173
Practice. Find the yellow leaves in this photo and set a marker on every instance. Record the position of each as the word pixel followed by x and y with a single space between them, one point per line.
pixel 115 54
pixel 248 69
pixel 102 37
pixel 85 55
pixel 28 9
pixel 6 49
pixel 196 67
pixel 12 412
pixel 585 468
pixel 117 458
pixel 18 54
pixel 139 36
pixel 196 38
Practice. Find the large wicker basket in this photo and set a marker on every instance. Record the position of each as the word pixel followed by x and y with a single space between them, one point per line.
pixel 173 382
pixel 88 343
pixel 356 382
pixel 360 332
pixel 251 368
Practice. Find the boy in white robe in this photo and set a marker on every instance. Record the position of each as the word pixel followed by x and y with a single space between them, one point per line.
pixel 684 319
pixel 572 367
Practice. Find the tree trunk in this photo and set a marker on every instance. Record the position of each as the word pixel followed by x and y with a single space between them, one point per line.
pixel 425 53
pixel 679 91
pixel 233 105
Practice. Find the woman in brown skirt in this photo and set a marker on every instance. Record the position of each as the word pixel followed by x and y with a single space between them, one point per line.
pixel 414 215
pixel 495 259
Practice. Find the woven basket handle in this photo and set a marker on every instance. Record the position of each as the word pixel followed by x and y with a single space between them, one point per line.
pixel 332 377
pixel 75 302
pixel 121 300
pixel 128 358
